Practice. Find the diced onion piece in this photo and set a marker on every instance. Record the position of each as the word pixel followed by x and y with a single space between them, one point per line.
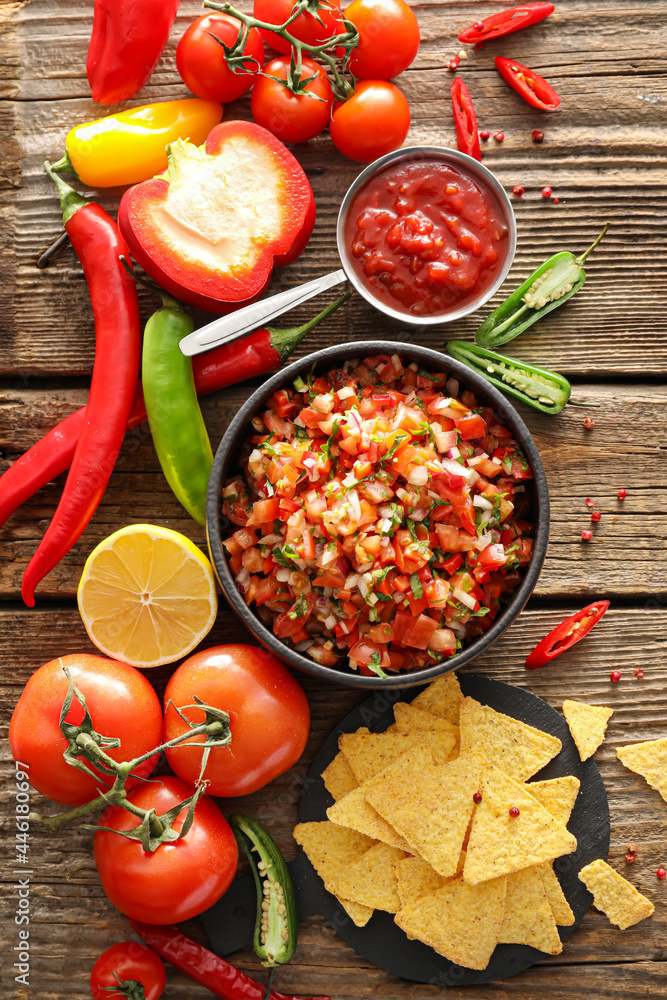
pixel 330 622
pixel 324 403
pixel 418 475
pixel 484 540
pixel 480 501
pixel 346 392
pixel 442 638
pixel 282 574
pixel 467 599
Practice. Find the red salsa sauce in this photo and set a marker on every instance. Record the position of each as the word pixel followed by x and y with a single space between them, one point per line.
pixel 427 238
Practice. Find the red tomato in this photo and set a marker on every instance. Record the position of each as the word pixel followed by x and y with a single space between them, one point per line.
pixel 388 38
pixel 306 27
pixel 201 60
pixel 178 880
pixel 121 702
pixel 292 117
pixel 374 121
pixel 128 962
pixel 268 711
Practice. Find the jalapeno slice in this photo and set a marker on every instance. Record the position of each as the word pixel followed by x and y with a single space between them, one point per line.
pixel 566 635
pixel 537 387
pixel 276 924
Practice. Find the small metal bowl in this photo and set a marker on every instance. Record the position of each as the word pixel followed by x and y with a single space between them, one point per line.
pixel 225 465
pixel 452 157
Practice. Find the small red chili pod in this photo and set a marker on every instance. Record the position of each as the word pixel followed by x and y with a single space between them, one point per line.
pixel 566 635
pixel 528 84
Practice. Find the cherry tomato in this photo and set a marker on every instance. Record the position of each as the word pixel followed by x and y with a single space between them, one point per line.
pixel 121 702
pixel 388 38
pixel 131 963
pixel 292 117
pixel 177 881
pixel 269 717
pixel 374 121
pixel 306 27
pixel 201 60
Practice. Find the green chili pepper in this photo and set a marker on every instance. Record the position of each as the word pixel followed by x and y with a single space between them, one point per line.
pixel 276 925
pixel 175 418
pixel 552 284
pixel 544 390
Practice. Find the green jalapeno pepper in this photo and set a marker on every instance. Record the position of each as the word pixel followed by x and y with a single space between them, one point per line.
pixel 277 921
pixel 544 390
pixel 552 284
pixel 175 418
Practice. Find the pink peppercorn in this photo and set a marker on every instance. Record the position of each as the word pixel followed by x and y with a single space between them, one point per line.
pixel 661 873
pixel 589 423
pixel 587 535
pixel 589 502
pixel 514 812
pixel 499 136
pixel 556 200
pixel 622 494
pixel 546 192
pixel 517 191
pixel 615 676
pixel 484 135
pixel 596 516
pixel 538 136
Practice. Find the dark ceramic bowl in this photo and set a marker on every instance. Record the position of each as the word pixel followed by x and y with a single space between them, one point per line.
pixel 225 466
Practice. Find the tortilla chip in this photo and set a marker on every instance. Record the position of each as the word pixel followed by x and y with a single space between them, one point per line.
pixel 368 753
pixel 416 878
pixel 442 698
pixel 588 724
pixel 354 812
pixel 431 810
pixel 649 760
pixel 557 795
pixel 518 749
pixel 371 879
pixel 410 718
pixel 528 916
pixel 614 895
pixel 461 922
pixel 330 849
pixel 560 907
pixel 501 844
pixel 338 777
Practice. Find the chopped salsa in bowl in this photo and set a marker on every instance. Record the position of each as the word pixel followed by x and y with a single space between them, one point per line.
pixel 381 516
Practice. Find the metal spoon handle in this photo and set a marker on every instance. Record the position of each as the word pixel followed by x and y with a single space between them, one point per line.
pixel 256 315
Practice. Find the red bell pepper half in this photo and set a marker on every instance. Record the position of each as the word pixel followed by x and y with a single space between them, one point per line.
pixel 534 90
pixel 465 120
pixel 505 22
pixel 566 635
pixel 211 229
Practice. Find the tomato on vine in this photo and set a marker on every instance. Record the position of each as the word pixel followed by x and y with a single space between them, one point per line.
pixel 128 970
pixel 201 61
pixel 292 115
pixel 310 28
pixel 375 120
pixel 388 38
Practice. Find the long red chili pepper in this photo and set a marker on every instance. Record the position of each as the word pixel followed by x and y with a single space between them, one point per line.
pixel 465 120
pixel 113 296
pixel 202 965
pixel 566 635
pixel 528 84
pixel 505 22
pixel 258 353
pixel 127 40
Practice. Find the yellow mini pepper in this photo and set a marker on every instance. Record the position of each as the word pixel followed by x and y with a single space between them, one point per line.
pixel 130 147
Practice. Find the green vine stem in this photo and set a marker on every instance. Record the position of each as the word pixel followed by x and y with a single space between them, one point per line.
pixel 347 40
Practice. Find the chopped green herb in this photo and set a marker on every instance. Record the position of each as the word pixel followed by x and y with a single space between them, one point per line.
pixel 417 588
pixel 284 554
pixel 375 665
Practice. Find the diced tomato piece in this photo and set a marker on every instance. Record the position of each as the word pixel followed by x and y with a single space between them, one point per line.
pixel 264 511
pixel 471 426
pixel 452 539
pixel 327 657
pixel 420 632
pixel 417 604
pixel 454 563
pixel 332 577
pixel 492 557
pixel 310 417
pixel 363 651
pixel 246 537
pixel 281 403
pixel 292 621
pixel 382 633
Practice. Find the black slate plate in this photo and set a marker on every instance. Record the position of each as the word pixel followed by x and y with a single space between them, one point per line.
pixel 230 923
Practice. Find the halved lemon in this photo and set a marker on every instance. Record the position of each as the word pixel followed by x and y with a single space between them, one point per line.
pixel 147 595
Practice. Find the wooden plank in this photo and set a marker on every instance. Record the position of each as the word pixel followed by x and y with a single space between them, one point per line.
pixel 65 946
pixel 627 557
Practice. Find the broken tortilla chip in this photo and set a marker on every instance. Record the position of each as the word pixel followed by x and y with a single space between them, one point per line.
pixel 648 759
pixel 558 795
pixel 371 879
pixel 443 698
pixel 338 777
pixel 416 878
pixel 614 895
pixel 528 917
pixel 461 922
pixel 588 724
pixel 500 843
pixel 560 907
pixel 330 849
pixel 518 749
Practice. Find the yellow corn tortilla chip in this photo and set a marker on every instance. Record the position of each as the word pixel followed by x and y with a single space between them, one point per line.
pixel 330 849
pixel 557 795
pixel 518 749
pixel 443 698
pixel 368 753
pixel 416 878
pixel 528 917
pixel 499 843
pixel 648 759
pixel 461 922
pixel 560 907
pixel 588 724
pixel 338 777
pixel 614 895
pixel 371 879
pixel 410 718
pixel 432 809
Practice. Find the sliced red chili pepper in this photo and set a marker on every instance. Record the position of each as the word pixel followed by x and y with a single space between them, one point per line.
pixel 528 84
pixel 465 120
pixel 566 635
pixel 505 22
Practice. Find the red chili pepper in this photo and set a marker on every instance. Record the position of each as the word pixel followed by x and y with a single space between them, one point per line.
pixel 113 296
pixel 505 22
pixel 128 39
pixel 566 635
pixel 258 353
pixel 465 120
pixel 202 965
pixel 528 84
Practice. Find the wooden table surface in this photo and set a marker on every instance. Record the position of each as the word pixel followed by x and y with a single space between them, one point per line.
pixel 604 156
